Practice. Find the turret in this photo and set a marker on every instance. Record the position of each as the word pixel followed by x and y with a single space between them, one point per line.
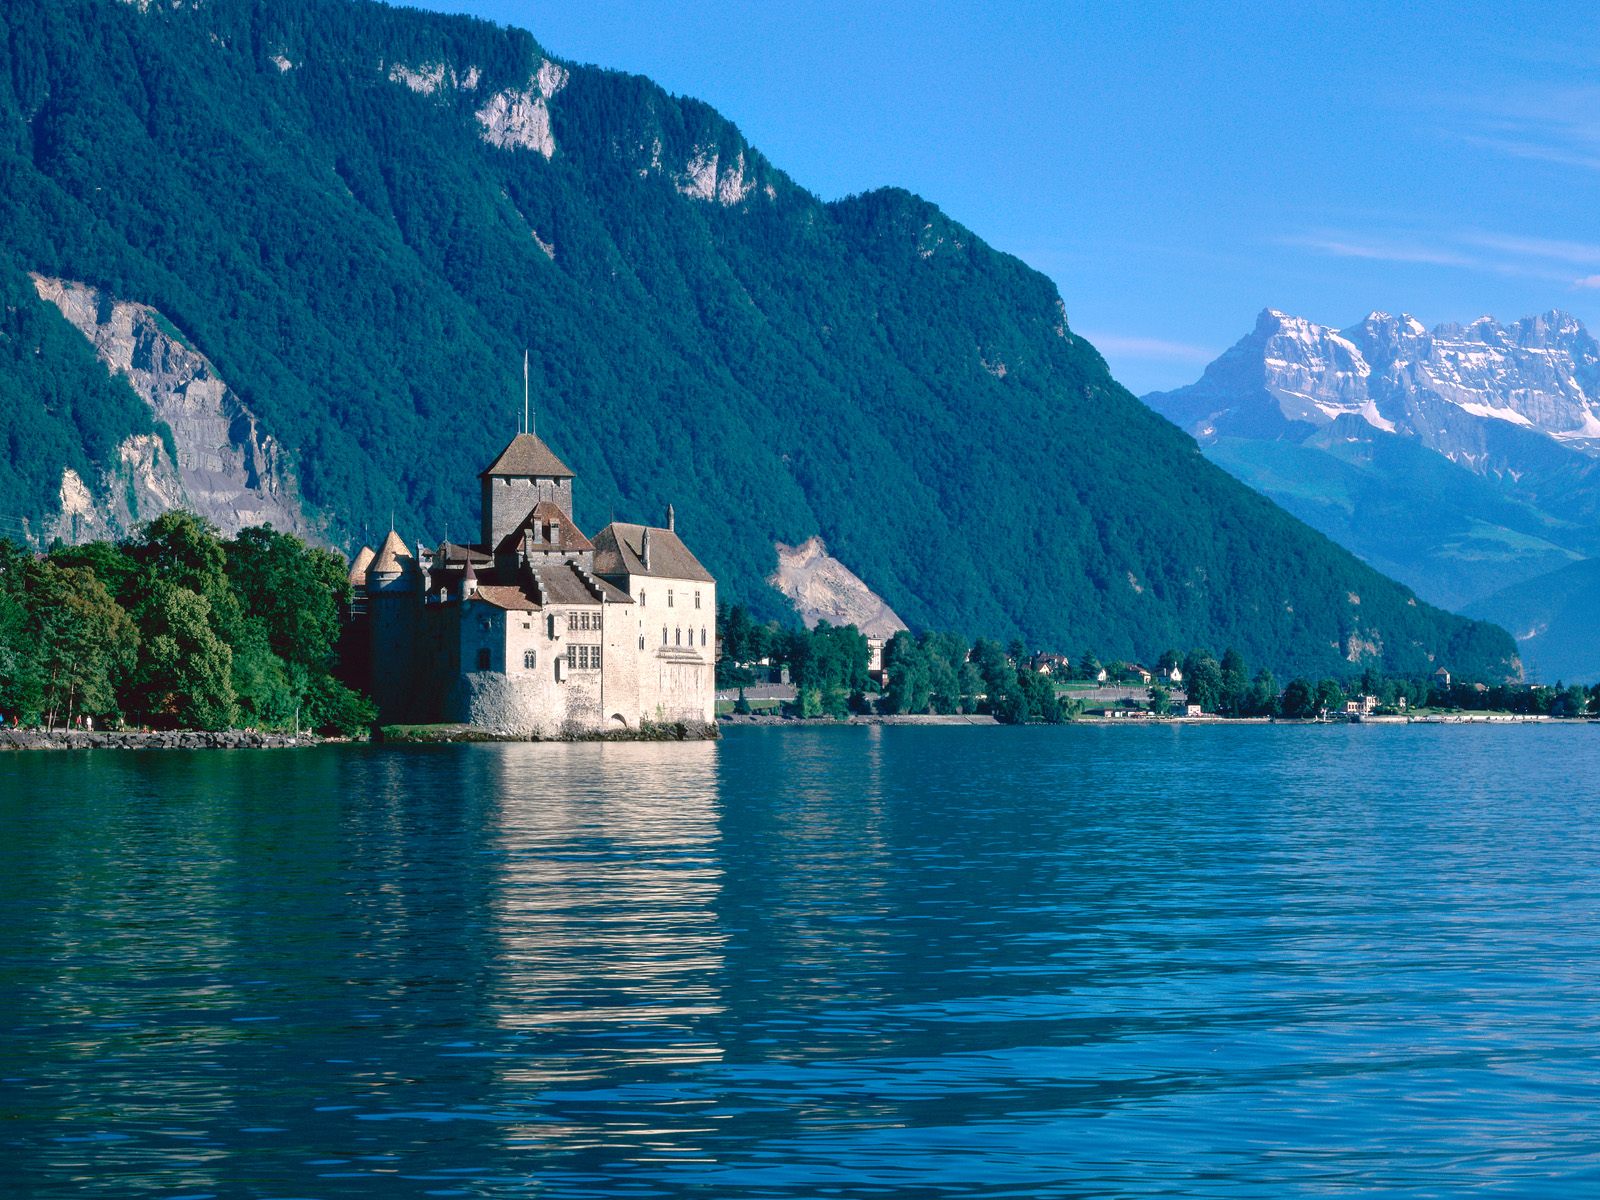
pixel 394 569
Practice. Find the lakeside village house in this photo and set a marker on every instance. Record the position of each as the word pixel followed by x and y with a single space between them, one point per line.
pixel 536 629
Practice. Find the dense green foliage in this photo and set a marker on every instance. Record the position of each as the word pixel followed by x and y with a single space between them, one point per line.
pixel 176 628
pixel 365 271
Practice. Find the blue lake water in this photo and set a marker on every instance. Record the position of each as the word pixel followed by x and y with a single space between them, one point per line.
pixel 809 963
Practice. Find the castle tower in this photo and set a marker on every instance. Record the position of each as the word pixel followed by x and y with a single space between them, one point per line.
pixel 393 585
pixel 525 473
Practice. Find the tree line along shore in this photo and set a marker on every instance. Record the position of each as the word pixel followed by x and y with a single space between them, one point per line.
pixel 944 674
pixel 178 628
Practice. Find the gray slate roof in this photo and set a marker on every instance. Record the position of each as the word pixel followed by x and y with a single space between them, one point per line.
pixel 618 550
pixel 527 455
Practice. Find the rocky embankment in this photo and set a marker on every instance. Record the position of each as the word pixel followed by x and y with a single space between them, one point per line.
pixel 186 739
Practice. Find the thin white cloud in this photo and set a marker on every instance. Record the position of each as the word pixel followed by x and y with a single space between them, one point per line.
pixel 1379 250
pixel 1554 124
pixel 1587 282
pixel 1513 255
pixel 1576 254
pixel 1134 346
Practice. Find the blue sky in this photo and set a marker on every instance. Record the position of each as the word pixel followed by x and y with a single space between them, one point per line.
pixel 1173 170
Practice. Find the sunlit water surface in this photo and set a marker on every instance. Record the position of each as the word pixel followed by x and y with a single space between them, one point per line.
pixel 809 963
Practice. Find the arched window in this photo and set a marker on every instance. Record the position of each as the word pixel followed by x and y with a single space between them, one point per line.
pixel 641 641
pixel 678 634
pixel 530 659
pixel 663 635
pixel 702 635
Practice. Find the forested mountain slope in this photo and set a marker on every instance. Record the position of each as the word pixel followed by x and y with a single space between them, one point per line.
pixel 362 215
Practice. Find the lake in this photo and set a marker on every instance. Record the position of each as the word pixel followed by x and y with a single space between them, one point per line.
pixel 855 962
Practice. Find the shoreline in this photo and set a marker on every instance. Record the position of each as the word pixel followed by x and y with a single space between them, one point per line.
pixel 187 739
pixel 172 739
pixel 1146 722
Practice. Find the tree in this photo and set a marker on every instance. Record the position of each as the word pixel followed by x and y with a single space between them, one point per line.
pixel 907 665
pixel 1202 680
pixel 335 710
pixel 292 589
pixel 21 688
pixel 184 674
pixel 1329 696
pixel 1235 684
pixel 1262 700
pixel 85 642
pixel 1160 699
pixel 1298 699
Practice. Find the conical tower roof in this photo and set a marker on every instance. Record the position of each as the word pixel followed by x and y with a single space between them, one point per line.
pixel 358 569
pixel 393 557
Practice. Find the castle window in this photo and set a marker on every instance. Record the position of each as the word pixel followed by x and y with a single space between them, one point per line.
pixel 663 635
pixel 697 599
pixel 641 641
pixel 678 634
pixel 584 658
pixel 641 597
pixel 702 635
pixel 669 597
pixel 530 659
pixel 483 659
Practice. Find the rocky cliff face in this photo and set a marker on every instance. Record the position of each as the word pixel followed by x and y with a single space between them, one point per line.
pixel 219 463
pixel 823 589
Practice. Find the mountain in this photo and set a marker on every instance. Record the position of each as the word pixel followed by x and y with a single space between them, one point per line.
pixel 354 219
pixel 1461 459
pixel 1554 619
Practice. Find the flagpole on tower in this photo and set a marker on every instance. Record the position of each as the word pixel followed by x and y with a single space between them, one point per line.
pixel 526 427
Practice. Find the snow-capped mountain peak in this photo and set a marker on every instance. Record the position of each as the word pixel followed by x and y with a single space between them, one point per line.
pixel 1439 386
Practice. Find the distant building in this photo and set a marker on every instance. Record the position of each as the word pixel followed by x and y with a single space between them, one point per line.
pixel 535 628
pixel 875 668
pixel 1442 677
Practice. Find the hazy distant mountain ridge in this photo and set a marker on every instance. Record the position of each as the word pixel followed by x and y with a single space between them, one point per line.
pixel 1464 459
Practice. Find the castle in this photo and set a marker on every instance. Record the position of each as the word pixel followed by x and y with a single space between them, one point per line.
pixel 535 629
